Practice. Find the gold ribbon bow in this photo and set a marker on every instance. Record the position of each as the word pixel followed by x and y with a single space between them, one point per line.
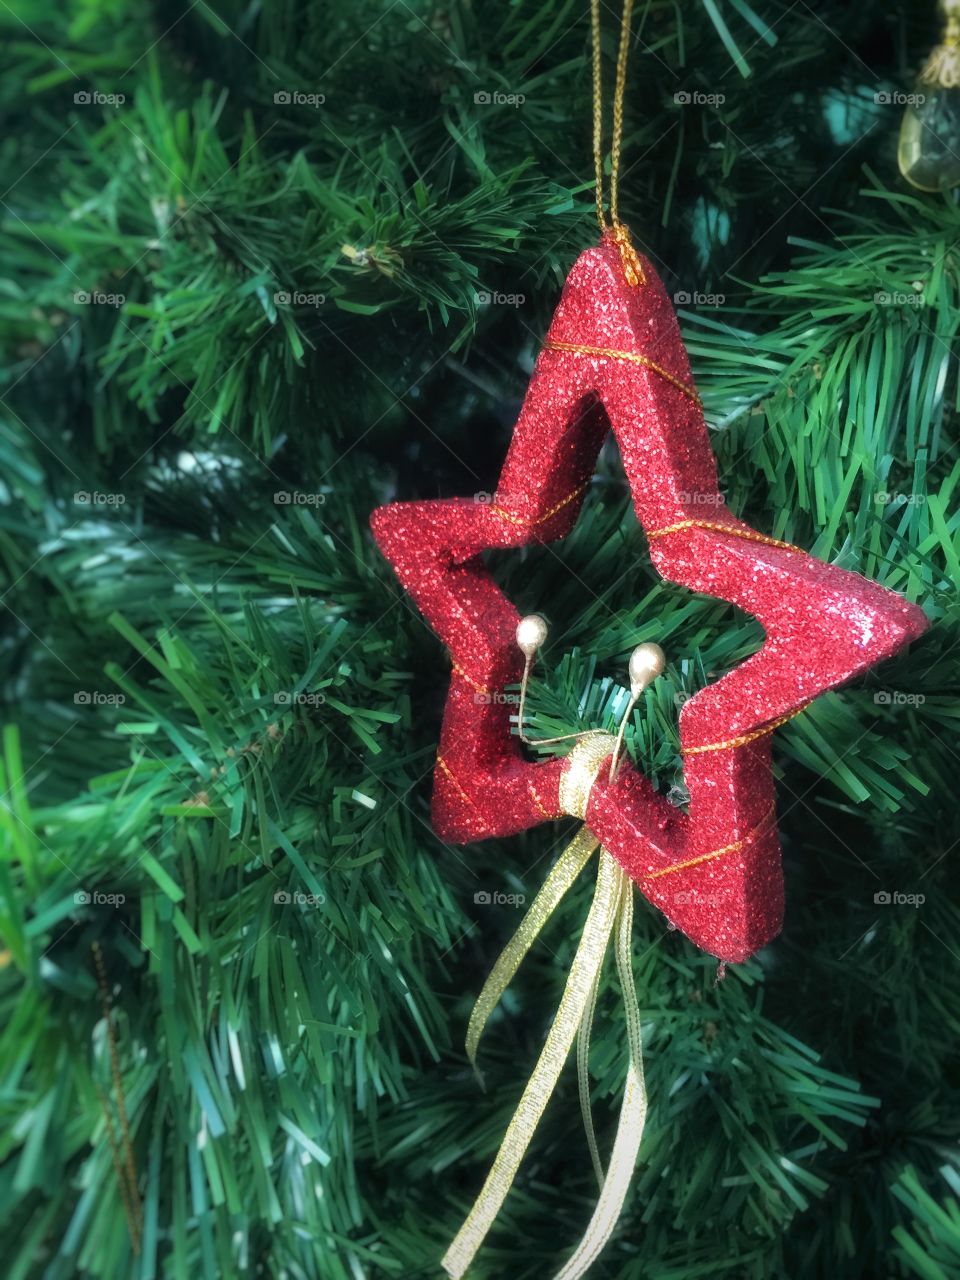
pixel 610 915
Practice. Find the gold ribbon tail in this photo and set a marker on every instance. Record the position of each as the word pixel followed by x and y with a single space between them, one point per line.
pixel 633 1110
pixel 576 994
pixel 566 869
pixel 583 1078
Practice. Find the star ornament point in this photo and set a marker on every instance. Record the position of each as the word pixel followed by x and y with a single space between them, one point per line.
pixel 613 359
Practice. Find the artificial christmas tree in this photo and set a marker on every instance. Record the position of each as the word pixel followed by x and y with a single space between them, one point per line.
pixel 266 269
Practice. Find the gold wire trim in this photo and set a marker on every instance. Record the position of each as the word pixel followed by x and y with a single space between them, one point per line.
pixel 716 853
pixel 536 800
pixel 446 769
pixel 748 535
pixel 469 679
pixel 633 357
pixel 129 1209
pixel 506 515
pixel 746 738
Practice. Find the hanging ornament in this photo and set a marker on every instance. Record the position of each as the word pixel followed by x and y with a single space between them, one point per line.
pixel 613 358
pixel 929 149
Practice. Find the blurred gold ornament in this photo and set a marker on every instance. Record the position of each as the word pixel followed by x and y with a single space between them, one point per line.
pixel 929 149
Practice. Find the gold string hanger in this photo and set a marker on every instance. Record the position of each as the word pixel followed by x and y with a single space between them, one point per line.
pixel 620 232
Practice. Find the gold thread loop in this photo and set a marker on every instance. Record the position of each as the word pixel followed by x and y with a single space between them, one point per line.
pixel 629 258
pixel 942 68
pixel 597 111
pixel 619 91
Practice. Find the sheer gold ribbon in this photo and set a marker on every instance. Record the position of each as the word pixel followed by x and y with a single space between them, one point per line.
pixel 633 1109
pixel 610 914
pixel 568 866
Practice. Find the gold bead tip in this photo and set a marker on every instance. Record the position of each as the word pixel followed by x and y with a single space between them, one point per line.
pixel 646 663
pixel 531 633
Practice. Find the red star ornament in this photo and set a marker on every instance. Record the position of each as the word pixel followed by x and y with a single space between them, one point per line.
pixel 613 357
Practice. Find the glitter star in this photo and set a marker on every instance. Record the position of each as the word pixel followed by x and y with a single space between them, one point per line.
pixel 613 357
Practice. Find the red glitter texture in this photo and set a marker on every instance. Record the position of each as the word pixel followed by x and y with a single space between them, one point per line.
pixel 823 624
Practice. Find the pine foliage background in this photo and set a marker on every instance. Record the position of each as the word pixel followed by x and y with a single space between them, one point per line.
pixel 222 711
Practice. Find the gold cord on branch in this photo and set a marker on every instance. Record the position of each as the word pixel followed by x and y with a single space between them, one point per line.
pixel 632 266
pixel 121 1150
